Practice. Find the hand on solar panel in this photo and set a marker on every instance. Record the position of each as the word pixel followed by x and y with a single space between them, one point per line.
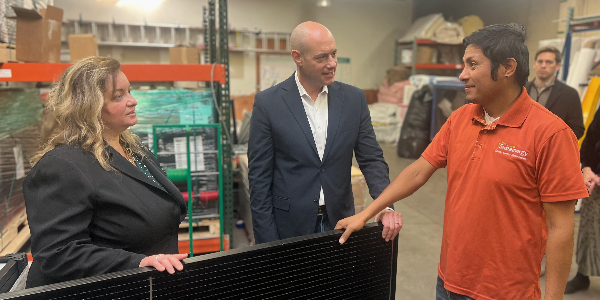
pixel 162 262
pixel 351 224
pixel 392 223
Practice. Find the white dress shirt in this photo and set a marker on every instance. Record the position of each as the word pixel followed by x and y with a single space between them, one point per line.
pixel 318 118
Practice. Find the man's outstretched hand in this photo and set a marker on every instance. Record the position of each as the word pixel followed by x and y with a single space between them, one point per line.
pixel 351 224
pixel 392 223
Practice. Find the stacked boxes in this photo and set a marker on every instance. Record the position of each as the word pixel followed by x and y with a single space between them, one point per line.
pixel 39 34
pixel 82 46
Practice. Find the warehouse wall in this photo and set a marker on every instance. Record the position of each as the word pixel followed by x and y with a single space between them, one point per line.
pixel 536 15
pixel 365 30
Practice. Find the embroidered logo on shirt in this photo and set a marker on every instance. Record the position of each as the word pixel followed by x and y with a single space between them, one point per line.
pixel 506 149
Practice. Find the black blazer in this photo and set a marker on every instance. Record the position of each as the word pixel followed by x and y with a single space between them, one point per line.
pixel 564 102
pixel 86 221
pixel 590 147
pixel 285 172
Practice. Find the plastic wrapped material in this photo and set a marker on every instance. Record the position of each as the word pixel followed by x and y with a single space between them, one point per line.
pixel 449 33
pixel 414 136
pixel 20 112
pixel 580 68
pixel 171 106
pixel 421 80
pixel 174 106
pixel 19 108
pixel 393 93
pixel 386 121
pixel 470 24
pixel 423 27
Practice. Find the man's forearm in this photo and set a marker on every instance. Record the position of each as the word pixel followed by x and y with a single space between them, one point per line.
pixel 406 183
pixel 559 250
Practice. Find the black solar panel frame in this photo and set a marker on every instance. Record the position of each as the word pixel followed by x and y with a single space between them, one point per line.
pixel 145 283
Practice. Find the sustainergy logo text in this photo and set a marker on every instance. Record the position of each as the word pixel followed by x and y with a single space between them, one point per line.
pixel 506 149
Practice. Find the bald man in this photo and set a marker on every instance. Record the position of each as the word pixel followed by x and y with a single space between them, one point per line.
pixel 303 134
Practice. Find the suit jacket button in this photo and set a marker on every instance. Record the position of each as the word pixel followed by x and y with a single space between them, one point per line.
pixel 316 198
pixel 322 170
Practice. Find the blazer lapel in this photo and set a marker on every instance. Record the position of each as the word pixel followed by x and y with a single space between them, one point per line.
pixel 335 106
pixel 122 164
pixel 556 90
pixel 166 183
pixel 294 103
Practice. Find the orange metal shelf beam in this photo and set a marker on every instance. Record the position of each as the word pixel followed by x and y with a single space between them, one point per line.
pixel 45 72
pixel 205 245
pixel 437 66
pixel 426 42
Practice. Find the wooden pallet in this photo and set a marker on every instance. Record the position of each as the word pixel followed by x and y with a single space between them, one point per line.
pixel 15 234
pixel 205 237
pixel 202 229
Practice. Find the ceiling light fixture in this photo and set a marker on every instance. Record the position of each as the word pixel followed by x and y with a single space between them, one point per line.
pixel 323 3
pixel 148 5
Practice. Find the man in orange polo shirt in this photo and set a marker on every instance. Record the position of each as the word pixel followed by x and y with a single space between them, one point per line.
pixel 513 177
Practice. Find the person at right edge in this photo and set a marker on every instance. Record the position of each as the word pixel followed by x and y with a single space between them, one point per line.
pixel 588 240
pixel 513 179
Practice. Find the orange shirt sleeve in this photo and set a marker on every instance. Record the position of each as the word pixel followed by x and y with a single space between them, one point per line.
pixel 558 174
pixel 437 152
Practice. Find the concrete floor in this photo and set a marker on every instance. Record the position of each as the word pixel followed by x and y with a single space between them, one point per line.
pixel 421 236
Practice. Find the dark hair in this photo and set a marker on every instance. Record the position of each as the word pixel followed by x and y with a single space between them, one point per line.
pixel 500 43
pixel 557 55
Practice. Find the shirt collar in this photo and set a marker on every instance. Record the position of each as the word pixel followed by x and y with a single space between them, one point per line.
pixel 547 85
pixel 514 117
pixel 303 91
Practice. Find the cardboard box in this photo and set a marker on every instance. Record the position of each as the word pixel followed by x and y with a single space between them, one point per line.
pixel 184 55
pixel 82 46
pixel 243 104
pixel 426 55
pixel 359 186
pixel 38 34
pixel 7 54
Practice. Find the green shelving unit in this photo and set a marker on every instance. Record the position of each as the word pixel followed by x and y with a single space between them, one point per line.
pixel 192 173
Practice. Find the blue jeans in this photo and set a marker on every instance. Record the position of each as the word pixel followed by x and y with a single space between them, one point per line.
pixel 442 293
pixel 322 224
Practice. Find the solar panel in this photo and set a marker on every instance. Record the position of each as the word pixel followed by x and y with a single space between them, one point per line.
pixel 309 267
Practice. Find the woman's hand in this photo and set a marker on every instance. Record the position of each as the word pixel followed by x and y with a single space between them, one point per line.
pixel 591 179
pixel 351 224
pixel 162 262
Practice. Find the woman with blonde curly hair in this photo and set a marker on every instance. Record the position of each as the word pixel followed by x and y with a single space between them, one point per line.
pixel 97 200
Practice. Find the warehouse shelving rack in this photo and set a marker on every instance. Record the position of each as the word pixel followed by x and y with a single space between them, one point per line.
pixel 48 72
pixel 191 131
pixel 148 35
pixel 215 73
pixel 575 25
pixel 414 66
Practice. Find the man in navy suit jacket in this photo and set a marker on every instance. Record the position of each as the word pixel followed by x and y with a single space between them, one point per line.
pixel 303 134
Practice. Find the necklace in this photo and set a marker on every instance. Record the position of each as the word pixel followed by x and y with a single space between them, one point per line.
pixel 128 152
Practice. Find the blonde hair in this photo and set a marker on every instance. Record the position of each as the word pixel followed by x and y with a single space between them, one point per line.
pixel 76 102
